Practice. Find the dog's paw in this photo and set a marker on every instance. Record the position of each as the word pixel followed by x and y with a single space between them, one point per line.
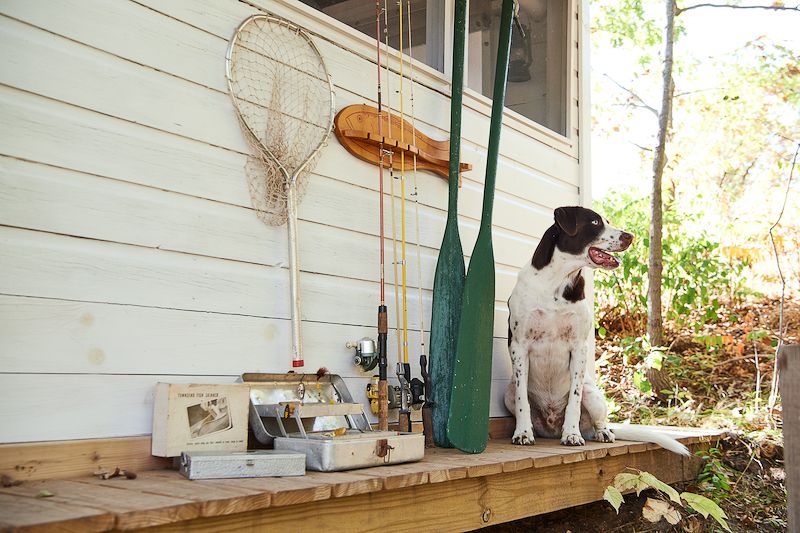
pixel 572 439
pixel 604 435
pixel 523 438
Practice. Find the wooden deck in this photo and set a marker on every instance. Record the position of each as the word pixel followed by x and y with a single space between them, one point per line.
pixel 446 491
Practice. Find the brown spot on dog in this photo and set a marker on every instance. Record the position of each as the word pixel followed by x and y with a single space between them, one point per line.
pixel 565 332
pixel 535 334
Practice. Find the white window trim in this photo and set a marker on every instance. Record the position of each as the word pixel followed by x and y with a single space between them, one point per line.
pixel 342 35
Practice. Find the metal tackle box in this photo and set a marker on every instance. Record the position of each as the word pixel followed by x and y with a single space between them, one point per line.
pixel 228 465
pixel 317 416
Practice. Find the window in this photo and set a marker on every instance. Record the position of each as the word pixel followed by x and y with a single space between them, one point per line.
pixel 537 73
pixel 427 24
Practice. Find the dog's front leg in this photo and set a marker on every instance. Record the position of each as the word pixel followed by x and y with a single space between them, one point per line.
pixel 570 433
pixel 517 395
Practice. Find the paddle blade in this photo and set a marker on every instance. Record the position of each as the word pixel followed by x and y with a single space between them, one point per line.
pixel 468 421
pixel 448 286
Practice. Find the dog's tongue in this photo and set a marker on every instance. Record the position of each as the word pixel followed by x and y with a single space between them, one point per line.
pixel 601 258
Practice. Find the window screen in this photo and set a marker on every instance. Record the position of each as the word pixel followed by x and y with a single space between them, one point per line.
pixel 427 24
pixel 537 74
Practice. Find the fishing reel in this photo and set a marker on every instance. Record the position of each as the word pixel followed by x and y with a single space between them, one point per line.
pixel 418 399
pixel 372 395
pixel 366 354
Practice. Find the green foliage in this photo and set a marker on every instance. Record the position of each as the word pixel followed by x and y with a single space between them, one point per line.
pixel 715 478
pixel 706 507
pixel 626 481
pixel 613 496
pixel 696 277
pixel 627 22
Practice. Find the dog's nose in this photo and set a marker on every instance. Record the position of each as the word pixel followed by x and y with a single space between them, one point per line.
pixel 626 239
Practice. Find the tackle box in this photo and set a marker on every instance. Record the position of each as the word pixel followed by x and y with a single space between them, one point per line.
pixel 230 465
pixel 318 417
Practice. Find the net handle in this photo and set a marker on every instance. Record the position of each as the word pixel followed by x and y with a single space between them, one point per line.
pixel 289 177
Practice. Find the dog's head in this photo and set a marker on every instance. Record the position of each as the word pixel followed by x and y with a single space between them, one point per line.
pixel 584 234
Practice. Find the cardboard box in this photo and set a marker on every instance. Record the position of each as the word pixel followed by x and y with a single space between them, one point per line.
pixel 197 417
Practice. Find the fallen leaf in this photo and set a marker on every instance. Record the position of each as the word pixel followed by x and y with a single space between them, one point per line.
pixel 655 510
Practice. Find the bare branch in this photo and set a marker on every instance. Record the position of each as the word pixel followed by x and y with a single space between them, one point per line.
pixel 734 6
pixel 773 395
pixel 640 147
pixel 644 105
pixel 686 93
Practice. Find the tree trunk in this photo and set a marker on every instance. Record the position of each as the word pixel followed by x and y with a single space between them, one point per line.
pixel 655 330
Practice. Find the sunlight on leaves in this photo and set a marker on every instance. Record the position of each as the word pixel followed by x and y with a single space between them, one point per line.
pixel 614 497
pixel 706 507
pixel 657 484
pixel 625 481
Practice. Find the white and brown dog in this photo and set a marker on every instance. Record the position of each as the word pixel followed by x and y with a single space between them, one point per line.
pixel 550 331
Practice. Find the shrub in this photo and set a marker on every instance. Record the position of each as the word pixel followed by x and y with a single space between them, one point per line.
pixel 696 278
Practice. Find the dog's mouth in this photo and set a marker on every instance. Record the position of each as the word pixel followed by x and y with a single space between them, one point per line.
pixel 602 258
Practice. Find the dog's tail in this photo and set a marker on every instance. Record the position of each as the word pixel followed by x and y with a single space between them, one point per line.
pixel 643 434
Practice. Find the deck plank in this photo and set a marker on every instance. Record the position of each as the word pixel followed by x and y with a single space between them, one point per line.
pixel 213 497
pixel 400 476
pixel 69 459
pixel 345 484
pixel 285 490
pixel 40 514
pixel 477 465
pixel 131 508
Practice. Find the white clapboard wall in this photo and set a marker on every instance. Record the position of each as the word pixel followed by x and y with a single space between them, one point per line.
pixel 129 253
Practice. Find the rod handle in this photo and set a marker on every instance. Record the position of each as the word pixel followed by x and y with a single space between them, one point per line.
pixel 383 405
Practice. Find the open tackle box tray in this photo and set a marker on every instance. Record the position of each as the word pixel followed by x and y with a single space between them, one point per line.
pixel 317 417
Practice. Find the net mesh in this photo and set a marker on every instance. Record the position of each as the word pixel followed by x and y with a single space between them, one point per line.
pixel 280 87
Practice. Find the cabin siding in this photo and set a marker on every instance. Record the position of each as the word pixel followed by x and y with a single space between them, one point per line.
pixel 129 253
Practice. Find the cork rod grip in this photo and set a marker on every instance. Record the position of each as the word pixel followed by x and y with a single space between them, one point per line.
pixel 383 405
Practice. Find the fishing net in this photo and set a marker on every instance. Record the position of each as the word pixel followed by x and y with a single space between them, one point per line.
pixel 284 101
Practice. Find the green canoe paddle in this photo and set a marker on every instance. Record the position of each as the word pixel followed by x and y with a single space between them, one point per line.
pixel 448 283
pixel 468 422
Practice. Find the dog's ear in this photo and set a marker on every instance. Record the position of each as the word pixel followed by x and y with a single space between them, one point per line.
pixel 567 219
pixel 544 252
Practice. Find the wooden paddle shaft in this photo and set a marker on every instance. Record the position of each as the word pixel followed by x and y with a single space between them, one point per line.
pixel 498 104
pixel 449 278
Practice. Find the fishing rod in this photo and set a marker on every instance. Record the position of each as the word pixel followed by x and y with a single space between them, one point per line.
pixel 420 389
pixel 403 367
pixel 383 323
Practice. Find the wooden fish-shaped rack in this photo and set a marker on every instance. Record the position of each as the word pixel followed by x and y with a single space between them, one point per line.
pixel 357 128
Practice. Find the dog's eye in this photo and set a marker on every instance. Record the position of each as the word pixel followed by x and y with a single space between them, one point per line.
pixel 595 222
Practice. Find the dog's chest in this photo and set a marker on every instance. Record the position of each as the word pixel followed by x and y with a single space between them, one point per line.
pixel 548 329
pixel 545 319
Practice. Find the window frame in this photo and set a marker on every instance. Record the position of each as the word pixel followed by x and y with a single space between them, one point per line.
pixel 324 26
